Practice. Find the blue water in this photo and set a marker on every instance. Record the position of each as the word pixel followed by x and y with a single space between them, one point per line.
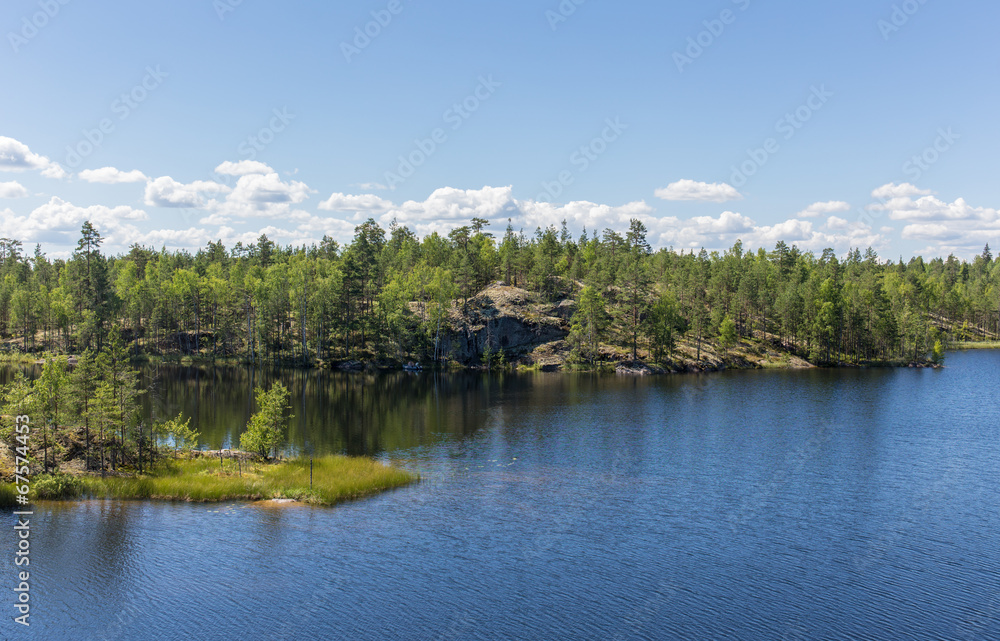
pixel 822 504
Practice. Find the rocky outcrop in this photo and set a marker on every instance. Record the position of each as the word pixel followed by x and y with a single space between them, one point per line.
pixel 637 368
pixel 504 318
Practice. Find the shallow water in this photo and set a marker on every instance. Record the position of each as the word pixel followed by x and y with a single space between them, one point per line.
pixel 822 504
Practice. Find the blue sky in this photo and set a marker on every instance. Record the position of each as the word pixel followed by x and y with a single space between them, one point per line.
pixel 710 121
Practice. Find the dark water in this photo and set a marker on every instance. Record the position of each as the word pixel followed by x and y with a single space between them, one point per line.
pixel 749 505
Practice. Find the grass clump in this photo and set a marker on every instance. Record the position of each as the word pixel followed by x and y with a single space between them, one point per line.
pixel 335 479
pixel 974 345
pixel 8 496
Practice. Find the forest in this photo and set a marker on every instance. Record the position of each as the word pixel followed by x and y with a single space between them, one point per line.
pixel 389 295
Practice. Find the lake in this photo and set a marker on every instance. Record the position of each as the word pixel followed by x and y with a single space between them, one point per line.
pixel 818 504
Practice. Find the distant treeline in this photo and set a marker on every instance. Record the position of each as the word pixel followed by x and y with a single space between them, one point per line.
pixel 390 294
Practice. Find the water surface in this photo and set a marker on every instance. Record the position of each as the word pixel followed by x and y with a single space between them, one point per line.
pixel 822 504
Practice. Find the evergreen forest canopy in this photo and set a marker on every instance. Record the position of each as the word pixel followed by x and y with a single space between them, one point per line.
pixel 391 295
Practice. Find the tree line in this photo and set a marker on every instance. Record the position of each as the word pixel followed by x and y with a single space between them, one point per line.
pixel 389 294
pixel 87 408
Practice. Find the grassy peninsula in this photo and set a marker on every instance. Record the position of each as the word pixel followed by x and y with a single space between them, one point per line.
pixel 335 479
pixel 78 430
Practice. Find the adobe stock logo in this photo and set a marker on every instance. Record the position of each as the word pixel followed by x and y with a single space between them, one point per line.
pixel 266 135
pixel 363 36
pixel 901 14
pixel 456 116
pixel 38 21
pixel 788 126
pixel 582 159
pixel 123 106
pixel 714 28
pixel 562 13
pixel 915 167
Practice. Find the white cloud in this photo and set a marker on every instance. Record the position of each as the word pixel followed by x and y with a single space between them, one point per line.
pixel 447 208
pixel 931 208
pixel 595 217
pixel 904 190
pixel 931 231
pixel 279 235
pixel 16 156
pixel 692 190
pixel 258 196
pixel 727 223
pixel 371 186
pixel 12 189
pixel 54 170
pixel 956 227
pixel 60 221
pixel 837 223
pixel 167 192
pixel 176 238
pixel 112 176
pixel 821 209
pixel 318 226
pixel 243 168
pixel 215 219
pixel 362 202
pixel 260 191
pixel 703 231
pixel 790 231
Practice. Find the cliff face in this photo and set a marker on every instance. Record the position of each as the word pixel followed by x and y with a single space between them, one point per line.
pixel 532 331
pixel 504 318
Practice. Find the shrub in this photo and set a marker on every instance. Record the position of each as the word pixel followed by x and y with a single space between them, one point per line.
pixel 56 487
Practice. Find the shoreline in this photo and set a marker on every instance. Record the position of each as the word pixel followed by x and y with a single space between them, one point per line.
pixel 553 358
pixel 323 482
pixel 546 358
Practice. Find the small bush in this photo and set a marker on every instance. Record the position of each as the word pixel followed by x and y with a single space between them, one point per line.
pixel 56 487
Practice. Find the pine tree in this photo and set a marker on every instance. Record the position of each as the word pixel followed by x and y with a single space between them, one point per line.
pixel 52 400
pixel 664 325
pixel 635 282
pixel 589 322
pixel 84 381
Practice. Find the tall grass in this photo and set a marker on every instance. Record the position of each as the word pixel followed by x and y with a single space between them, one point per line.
pixel 8 497
pixel 335 479
pixel 974 345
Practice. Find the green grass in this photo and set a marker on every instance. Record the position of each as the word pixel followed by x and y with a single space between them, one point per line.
pixel 335 479
pixel 18 358
pixel 8 496
pixel 974 345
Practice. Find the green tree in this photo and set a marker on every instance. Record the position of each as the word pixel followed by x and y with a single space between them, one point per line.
pixel 18 400
pixel 84 381
pixel 663 325
pixel 93 294
pixel 589 323
pixel 180 433
pixel 266 431
pixel 52 400
pixel 727 333
pixel 938 355
pixel 118 402
pixel 635 282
